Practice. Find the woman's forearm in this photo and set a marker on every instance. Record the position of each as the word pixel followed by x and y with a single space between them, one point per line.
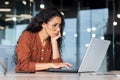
pixel 56 53
pixel 43 66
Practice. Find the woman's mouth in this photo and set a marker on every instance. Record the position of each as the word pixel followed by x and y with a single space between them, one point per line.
pixel 56 34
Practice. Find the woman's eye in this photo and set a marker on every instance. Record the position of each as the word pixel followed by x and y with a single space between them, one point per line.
pixel 55 25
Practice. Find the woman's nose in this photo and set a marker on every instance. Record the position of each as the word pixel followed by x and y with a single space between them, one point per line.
pixel 56 28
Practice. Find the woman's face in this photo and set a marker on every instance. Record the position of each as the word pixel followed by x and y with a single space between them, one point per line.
pixel 55 23
pixel 53 26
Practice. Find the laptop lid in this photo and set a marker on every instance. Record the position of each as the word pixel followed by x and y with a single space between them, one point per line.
pixel 94 55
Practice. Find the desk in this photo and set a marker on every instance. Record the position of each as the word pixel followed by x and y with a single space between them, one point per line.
pixel 100 76
pixel 58 76
pixel 40 76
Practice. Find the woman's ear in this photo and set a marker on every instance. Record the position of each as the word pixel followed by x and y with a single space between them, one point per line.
pixel 44 25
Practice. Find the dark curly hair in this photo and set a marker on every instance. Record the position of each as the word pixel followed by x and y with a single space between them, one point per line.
pixel 44 16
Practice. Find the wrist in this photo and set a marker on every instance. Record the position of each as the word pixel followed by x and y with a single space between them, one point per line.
pixel 53 39
pixel 51 65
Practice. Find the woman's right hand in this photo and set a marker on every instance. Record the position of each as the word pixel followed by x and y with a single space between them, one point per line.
pixel 60 65
pixel 54 34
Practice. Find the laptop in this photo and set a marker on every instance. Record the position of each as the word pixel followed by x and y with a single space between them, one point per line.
pixel 92 59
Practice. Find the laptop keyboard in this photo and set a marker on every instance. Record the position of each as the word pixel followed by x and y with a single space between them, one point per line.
pixel 63 70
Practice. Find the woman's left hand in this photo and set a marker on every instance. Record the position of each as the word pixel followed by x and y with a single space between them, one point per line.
pixel 56 35
pixel 53 34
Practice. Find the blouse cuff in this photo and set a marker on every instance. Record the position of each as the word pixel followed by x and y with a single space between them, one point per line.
pixel 32 66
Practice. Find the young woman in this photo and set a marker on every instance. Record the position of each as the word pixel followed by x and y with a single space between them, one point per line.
pixel 39 45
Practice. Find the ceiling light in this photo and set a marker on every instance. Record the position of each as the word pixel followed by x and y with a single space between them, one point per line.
pixel 87 45
pixel 26 16
pixel 64 33
pixel 102 37
pixel 5 9
pixel 93 28
pixel 93 35
pixel 24 2
pixel 14 19
pixel 6 2
pixel 42 6
pixel 118 15
pixel 31 0
pixel 75 35
pixel 10 17
pixel 88 29
pixel 1 28
pixel 115 23
pixel 62 13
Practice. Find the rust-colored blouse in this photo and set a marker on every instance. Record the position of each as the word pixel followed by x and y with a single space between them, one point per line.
pixel 30 51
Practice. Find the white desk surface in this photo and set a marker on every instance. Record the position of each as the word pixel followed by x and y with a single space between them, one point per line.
pixel 61 76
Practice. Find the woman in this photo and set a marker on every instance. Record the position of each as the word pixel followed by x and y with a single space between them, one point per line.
pixel 38 46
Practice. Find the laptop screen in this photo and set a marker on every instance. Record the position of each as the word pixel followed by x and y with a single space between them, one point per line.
pixel 94 55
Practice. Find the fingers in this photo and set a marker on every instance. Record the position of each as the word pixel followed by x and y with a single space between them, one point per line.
pixel 53 34
pixel 56 36
pixel 60 65
pixel 50 31
pixel 67 65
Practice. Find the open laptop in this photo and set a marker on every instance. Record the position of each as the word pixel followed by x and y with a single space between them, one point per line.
pixel 92 59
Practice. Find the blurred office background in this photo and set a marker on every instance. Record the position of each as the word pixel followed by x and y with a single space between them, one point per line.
pixel 84 19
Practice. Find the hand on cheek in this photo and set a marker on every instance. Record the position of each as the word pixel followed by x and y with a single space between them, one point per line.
pixel 53 34
pixel 57 35
pixel 50 32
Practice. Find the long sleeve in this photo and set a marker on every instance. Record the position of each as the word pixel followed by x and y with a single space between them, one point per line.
pixel 29 54
pixel 24 53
